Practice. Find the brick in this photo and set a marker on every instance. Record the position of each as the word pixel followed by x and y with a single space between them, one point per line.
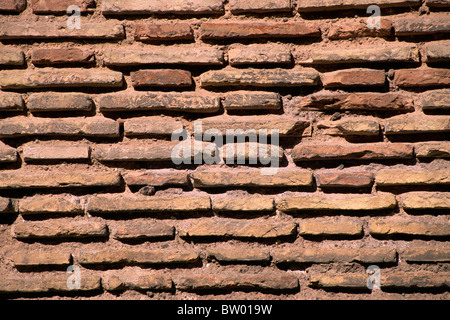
pixel 61 56
pixel 46 30
pixel 373 151
pixel 151 126
pixel 7 153
pixel 250 100
pixel 416 280
pixel 358 77
pixel 60 6
pixel 437 3
pixel 142 230
pixel 148 281
pixel 426 254
pixel 11 57
pixel 229 30
pixel 345 179
pixel 410 125
pixel 260 6
pixel 243 204
pixel 13 6
pixel 373 101
pixel 411 178
pixel 260 77
pixel 432 149
pixel 348 29
pixel 108 204
pixel 422 25
pixel 437 51
pixel 50 204
pixel 120 7
pixel 155 178
pixel 325 255
pixel 58 151
pixel 10 101
pixel 422 77
pixel 408 227
pixel 163 31
pixel 252 179
pixel 240 281
pixel 195 55
pixel 248 152
pixel 425 201
pixel 259 54
pixel 239 255
pixel 49 102
pixel 331 202
pixel 332 5
pixel 324 227
pixel 351 127
pixel 137 257
pixel 161 78
pixel 59 230
pixel 236 229
pixel 36 258
pixel 48 285
pixel 19 179
pixel 339 280
pixel 5 204
pixel 436 99
pixel 23 126
pixel 193 103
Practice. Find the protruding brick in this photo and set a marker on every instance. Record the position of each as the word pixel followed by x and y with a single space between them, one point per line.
pixel 436 99
pixel 341 280
pixel 347 29
pixel 416 125
pixel 163 31
pixel 250 100
pixel 55 152
pixel 427 254
pixel 50 204
pixel 244 204
pixel 345 179
pixel 437 3
pixel 437 51
pixel 11 57
pixel 142 230
pixel 10 101
pixel 323 227
pixel 357 77
pixel 60 6
pixel 395 227
pixel 61 56
pixel 351 127
pixel 422 77
pixel 415 280
pixel 259 54
pixel 48 285
pixel 13 6
pixel 412 177
pixel 421 25
pixel 156 178
pixel 49 102
pixel 332 5
pixel 161 78
pixel 425 201
pixel 5 205
pixel 46 258
pixel 151 126
pixel 121 7
pixel 7 153
pixel 432 149
pixel 126 281
pixel 259 6
pixel 246 255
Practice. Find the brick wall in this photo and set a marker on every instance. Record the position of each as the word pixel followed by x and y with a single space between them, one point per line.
pixel 87 177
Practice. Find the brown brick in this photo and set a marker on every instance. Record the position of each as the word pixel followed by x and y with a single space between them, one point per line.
pixel 347 29
pixel 437 3
pixel 432 149
pixel 193 103
pixel 415 25
pixel 437 51
pixel 373 101
pixel 11 57
pixel 427 254
pixel 373 151
pixel 156 178
pixel 43 102
pixel 252 179
pixel 61 56
pixel 34 258
pixel 14 6
pixel 47 285
pixel 337 202
pixel 120 7
pixel 259 6
pixel 163 31
pixel 55 151
pixel 254 282
pixel 408 227
pixel 7 154
pixel 411 178
pixel 345 179
pixel 423 124
pixel 259 54
pixel 151 126
pixel 351 127
pixel 425 200
pixel 339 280
pixel 50 204
pixel 154 55
pixel 250 100
pixel 121 281
pixel 60 230
pixel 416 280
pixel 60 6
pixel 142 230
pixel 243 204
pixel 23 126
pixel 358 77
pixel 5 204
pixel 422 77
pixel 10 101
pixel 332 5
pixel 257 29
pixel 324 227
pixel 18 179
pixel 161 78
pixel 436 99
pixel 260 77
pixel 46 30
pixel 249 152
pixel 239 255
pixel 114 204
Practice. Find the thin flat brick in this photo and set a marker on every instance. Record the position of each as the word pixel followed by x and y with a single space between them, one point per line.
pixel 415 280
pixel 425 200
pixel 427 254
pixel 323 227
pixel 151 126
pixel 10 101
pixel 358 77
pixel 244 204
pixel 59 152
pixel 249 100
pixel 259 54
pixel 345 180
pixel 239 255
pixel 149 281
pixel 436 99
pixel 7 153
pixel 332 5
pixel 260 6
pixel 228 30
pixel 155 178
pixel 49 102
pixel 11 57
pixel 339 280
pixel 48 285
pixel 422 25
pixel 348 29
pixel 60 78
pixel 142 230
pixel 437 3
pixel 163 31
pixel 408 227
pixel 50 205
pixel 59 230
pixel 60 6
pixel 351 127
pixel 423 124
pixel 13 6
pixel 33 258
pixel 337 202
pixel 432 149
pixel 437 51
pixel 5 204
pixel 61 56
pixel 422 77
pixel 161 78
pixel 121 7
pixel 242 152
pixel 411 178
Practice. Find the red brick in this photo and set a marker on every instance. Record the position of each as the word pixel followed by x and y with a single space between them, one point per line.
pixel 151 126
pixel 255 54
pixel 121 281
pixel 245 255
pixel 432 149
pixel 422 77
pixel 60 6
pixel 120 7
pixel 350 127
pixel 358 77
pixel 427 254
pixel 251 100
pixel 422 25
pixel 52 204
pixel 47 285
pixel 358 28
pixel 61 56
pixel 55 151
pixel 161 78
pixel 345 179
pixel 332 5
pixel 163 31
pixel 13 5
pixel 47 258
pixel 11 57
pixel 323 227
pixel 50 102
pixel 408 227
pixel 141 230
pixel 415 280
pixel 156 178
pixel 259 6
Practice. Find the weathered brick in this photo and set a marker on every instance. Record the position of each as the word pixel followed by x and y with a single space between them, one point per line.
pixel 50 204
pixel 53 284
pixel 339 280
pixel 358 77
pixel 423 124
pixel 108 204
pixel 332 5
pixel 10 101
pixel 7 153
pixel 163 31
pixel 260 77
pixel 61 56
pixel 325 227
pixel 161 78
pixel 34 258
pixel 55 151
pixel 436 99
pixel 17 179
pixel 24 126
pixel 251 153
pixel 259 54
pixel 239 255
pixel 432 149
pixel 137 257
pixel 260 6
pixel 126 281
pixel 254 282
pixel 411 178
pixel 213 228
pixel 5 204
pixel 257 29
pixel 373 151
pixel 337 202
pixel 425 200
pixel 415 25
pixel 250 100
pixel 243 204
pixel 151 126
pixel 437 51
pixel 11 57
pixel 13 5
pixel 60 6
pixel 120 7
pixel 49 102
pixel 426 254
pixel 422 77
pixel 194 103
pixel 347 29
pixel 416 280
pixel 373 101
pixel 383 227
pixel 46 30
pixel 345 179
pixel 350 127
pixel 153 55
pixel 142 230
pixel 251 179
pixel 437 3
pixel 59 230
pixel 155 178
